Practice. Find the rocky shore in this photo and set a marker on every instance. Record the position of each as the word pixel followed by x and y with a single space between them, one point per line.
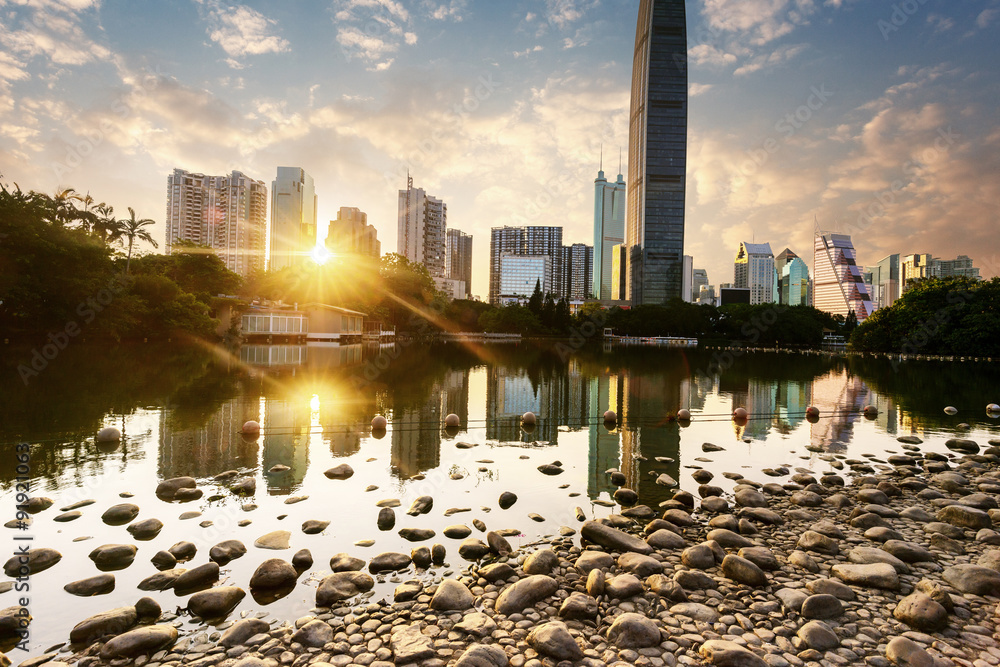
pixel 883 561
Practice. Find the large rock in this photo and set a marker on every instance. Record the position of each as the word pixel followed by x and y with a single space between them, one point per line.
pixel 169 487
pixel 699 556
pixel 525 593
pixel 410 645
pixel 452 595
pixel 183 551
pixel 974 579
pixel 743 571
pixel 473 549
pixel 276 539
pixel 99 585
pixel 579 606
pixel 198 577
pixel 113 556
pixel 111 622
pixel 140 641
pixel 727 539
pixel 614 539
pixel 750 498
pixel 343 562
pixel 483 655
pixel 477 624
pixel 314 634
pixel 274 573
pixel 761 557
pixel 622 587
pixel 499 545
pixel 908 552
pixel 540 562
pixel 313 526
pixel 666 539
pixel 813 541
pixel 696 611
pixel 226 551
pixel 146 529
pixel 342 586
pixel 13 620
pixel 554 640
pixel 919 611
pixel 243 630
pixel 416 534
pixel 342 471
pixel 639 565
pixel 905 652
pixel 964 516
pixel 631 630
pixel 215 602
pixel 119 515
pixel 867 555
pixel 818 635
pixel 389 561
pixel 161 581
pixel 590 560
pixel 821 606
pixel 870 575
pixel 31 562
pixel 729 654
pixel 421 505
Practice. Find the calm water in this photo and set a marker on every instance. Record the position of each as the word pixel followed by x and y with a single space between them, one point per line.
pixel 181 409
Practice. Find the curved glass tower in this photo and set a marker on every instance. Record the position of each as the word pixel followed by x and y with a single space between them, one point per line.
pixel 657 154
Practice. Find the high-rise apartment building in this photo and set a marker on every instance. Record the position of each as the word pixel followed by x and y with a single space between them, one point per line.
pixel 458 258
pixel 960 266
pixel 225 213
pixel 609 230
pixel 579 271
pixel 791 279
pixel 884 283
pixel 915 267
pixel 754 269
pixel 293 218
pixel 838 286
pixel 520 274
pixel 350 234
pixel 531 240
pixel 654 229
pixel 423 220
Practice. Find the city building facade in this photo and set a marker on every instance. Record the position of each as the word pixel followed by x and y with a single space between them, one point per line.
pixel 458 259
pixel 519 274
pixel 226 213
pixel 531 240
pixel 699 280
pixel 687 279
pixel 838 286
pixel 918 266
pixel 293 218
pixel 883 281
pixel 422 224
pixel 350 234
pixel 579 271
pixel 609 230
pixel 791 279
pixel 754 269
pixel 654 229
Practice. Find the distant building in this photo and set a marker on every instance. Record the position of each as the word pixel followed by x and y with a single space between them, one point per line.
pixel 960 266
pixel 458 259
pixel 423 220
pixel 579 272
pixel 706 295
pixel 883 281
pixel 687 278
pixel 535 241
pixel 350 234
pixel 225 213
pixel 754 269
pixel 293 218
pixel 519 274
pixel 657 153
pixel 619 266
pixel 916 267
pixel 792 279
pixel 609 230
pixel 699 280
pixel 838 286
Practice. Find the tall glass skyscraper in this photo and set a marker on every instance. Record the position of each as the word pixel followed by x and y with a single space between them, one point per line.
pixel 609 229
pixel 657 155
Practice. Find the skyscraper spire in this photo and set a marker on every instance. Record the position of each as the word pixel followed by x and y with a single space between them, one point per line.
pixel 602 156
pixel 619 160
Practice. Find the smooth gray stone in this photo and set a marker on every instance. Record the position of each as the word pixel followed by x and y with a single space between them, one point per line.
pixel 141 641
pixel 226 551
pixel 452 595
pixel 314 634
pixel 409 644
pixel 118 515
pixel 525 593
pixel 821 606
pixel 921 612
pixel 638 564
pixel 612 538
pixel 341 586
pixel 870 575
pixel 198 577
pixel 724 653
pixel 483 655
pixel 554 640
pixel 542 561
pixel 818 635
pixel 273 573
pixel 242 630
pixel 215 602
pixel 634 631
pixel 974 579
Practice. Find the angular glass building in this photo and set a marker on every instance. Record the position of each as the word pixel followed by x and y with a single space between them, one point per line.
pixel 838 286
pixel 657 155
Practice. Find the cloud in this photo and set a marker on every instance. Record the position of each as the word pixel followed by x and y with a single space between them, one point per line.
pixel 940 23
pixel 453 10
pixel 53 31
pixel 778 56
pixel 706 54
pixel 759 21
pixel 986 17
pixel 696 89
pixel 528 51
pixel 242 31
pixel 375 30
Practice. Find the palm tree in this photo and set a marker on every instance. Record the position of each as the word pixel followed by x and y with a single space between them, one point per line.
pixel 105 224
pixel 64 211
pixel 133 229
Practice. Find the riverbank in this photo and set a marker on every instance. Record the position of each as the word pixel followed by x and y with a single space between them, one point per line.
pixel 893 559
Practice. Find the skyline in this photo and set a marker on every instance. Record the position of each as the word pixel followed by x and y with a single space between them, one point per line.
pixel 798 110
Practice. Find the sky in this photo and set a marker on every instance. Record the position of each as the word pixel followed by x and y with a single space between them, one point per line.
pixel 870 118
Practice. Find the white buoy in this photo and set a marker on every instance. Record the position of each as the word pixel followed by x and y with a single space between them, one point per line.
pixel 993 407
pixel 740 413
pixel 610 417
pixel 109 434
pixel 379 423
pixel 951 410
pixel 452 420
pixel 251 427
pixel 812 411
pixel 684 415
pixel 870 411
pixel 529 419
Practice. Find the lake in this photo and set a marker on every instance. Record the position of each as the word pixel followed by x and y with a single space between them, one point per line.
pixel 181 408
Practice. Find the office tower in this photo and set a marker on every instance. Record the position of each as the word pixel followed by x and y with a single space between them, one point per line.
pixel 423 220
pixel 458 259
pixel 225 213
pixel 619 266
pixel 838 287
pixel 520 274
pixel 687 279
pixel 754 269
pixel 564 278
pixel 609 229
pixel 792 279
pixel 350 234
pixel 657 153
pixel 884 283
pixel 699 280
pixel 538 241
pixel 579 271
pixel 293 218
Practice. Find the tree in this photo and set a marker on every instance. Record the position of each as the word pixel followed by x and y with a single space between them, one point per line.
pixel 133 229
pixel 536 300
